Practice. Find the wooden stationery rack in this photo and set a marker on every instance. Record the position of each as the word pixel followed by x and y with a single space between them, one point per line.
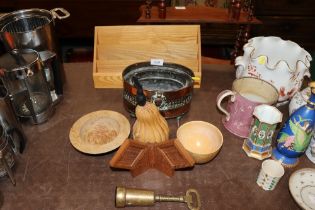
pixel 116 47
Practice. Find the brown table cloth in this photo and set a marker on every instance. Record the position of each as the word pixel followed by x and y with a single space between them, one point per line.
pixel 52 175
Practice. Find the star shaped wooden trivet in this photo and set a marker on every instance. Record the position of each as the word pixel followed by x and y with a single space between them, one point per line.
pixel 139 157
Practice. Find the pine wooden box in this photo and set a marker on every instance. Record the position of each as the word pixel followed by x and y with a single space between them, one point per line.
pixel 116 47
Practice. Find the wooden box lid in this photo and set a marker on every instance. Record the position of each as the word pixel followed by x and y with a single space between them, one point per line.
pixel 116 47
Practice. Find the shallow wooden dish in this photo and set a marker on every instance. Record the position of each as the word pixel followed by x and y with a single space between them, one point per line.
pixel 99 132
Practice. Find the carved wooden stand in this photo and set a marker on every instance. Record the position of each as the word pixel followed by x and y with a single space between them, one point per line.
pixel 139 157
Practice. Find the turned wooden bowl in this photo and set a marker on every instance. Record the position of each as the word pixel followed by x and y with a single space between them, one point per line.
pixel 201 139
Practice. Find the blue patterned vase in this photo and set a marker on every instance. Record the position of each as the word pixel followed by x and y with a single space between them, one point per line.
pixel 294 137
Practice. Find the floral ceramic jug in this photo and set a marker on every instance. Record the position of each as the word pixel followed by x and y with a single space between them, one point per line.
pixel 282 63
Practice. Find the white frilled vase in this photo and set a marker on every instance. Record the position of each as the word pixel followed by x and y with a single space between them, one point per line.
pixel 280 62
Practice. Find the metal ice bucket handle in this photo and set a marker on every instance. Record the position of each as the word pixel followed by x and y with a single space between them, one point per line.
pixel 64 12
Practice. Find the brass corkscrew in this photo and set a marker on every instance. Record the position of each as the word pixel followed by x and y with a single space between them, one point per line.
pixel 141 197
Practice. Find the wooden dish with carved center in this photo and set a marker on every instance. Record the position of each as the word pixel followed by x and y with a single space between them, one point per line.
pixel 99 132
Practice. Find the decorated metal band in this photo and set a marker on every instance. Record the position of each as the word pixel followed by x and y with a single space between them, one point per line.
pixel 161 101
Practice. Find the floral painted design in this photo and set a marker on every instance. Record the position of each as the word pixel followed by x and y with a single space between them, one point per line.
pixel 261 134
pixel 294 76
pixel 252 71
pixel 254 131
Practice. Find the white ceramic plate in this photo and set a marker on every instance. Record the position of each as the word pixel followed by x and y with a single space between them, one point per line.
pixel 302 187
pixel 99 132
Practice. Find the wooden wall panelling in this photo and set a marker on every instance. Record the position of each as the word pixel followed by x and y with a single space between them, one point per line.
pixel 218 34
pixel 297 29
pixel 85 17
pixel 288 19
pixel 284 7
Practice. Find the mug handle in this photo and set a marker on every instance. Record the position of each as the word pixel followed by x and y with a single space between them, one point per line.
pixel 220 97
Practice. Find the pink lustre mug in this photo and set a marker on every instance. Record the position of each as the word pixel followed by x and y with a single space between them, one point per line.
pixel 246 94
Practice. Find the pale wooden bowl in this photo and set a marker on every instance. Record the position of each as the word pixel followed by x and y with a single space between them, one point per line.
pixel 201 139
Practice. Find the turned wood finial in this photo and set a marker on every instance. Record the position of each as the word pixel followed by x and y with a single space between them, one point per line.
pixel 237 10
pixel 248 7
pixel 148 9
pixel 241 38
pixel 246 34
pixel 162 9
pixel 238 44
pixel 250 13
pixel 246 4
pixel 234 10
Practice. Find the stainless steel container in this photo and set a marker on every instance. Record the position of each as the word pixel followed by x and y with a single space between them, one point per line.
pixel 34 29
pixel 23 76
